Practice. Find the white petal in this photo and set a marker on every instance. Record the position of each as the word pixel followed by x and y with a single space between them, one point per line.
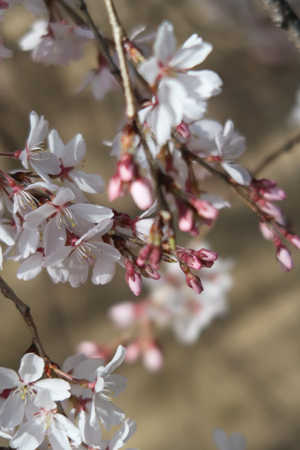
pixel 58 439
pixel 56 144
pixel 8 378
pixel 29 436
pixel 103 272
pixel 165 42
pixel 238 173
pixel 31 267
pixel 29 241
pixel 59 388
pixel 12 412
pixel 71 430
pixel 116 361
pixel 150 70
pixel 54 237
pixel 38 216
pixel 31 368
pixel 91 213
pixel 74 151
pixel 63 196
pixel 93 184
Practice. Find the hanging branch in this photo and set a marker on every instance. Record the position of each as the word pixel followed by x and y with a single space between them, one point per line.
pixel 285 18
pixel 287 147
pixel 120 37
pixel 24 309
pixel 103 47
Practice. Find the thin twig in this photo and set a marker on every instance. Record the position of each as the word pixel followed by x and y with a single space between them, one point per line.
pixel 288 146
pixel 71 12
pixel 24 309
pixel 285 18
pixel 237 189
pixel 119 36
pixel 103 47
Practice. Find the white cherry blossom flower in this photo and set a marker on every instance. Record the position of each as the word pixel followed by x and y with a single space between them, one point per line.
pixel 43 162
pixel 55 43
pixel 106 385
pixel 46 422
pixel 24 387
pixel 230 146
pixel 64 215
pixel 71 263
pixel 70 156
pixel 101 81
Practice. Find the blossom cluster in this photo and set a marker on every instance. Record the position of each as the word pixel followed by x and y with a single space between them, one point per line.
pixel 40 409
pixel 67 414
pixel 53 226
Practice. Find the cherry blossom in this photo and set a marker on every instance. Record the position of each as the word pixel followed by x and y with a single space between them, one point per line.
pixel 55 43
pixel 231 147
pixel 42 161
pixel 24 387
pixel 70 156
pixel 46 422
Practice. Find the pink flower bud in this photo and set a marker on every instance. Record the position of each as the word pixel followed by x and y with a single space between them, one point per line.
pixel 141 192
pixel 274 194
pixel 155 257
pixel 265 231
pixel 126 168
pixel 153 358
pixel 284 258
pixel 194 282
pixel 144 255
pixel 114 189
pixel 135 283
pixel 204 208
pixel 190 260
pixel 185 219
pixel 269 208
pixel 294 239
pixel 151 272
pixel 206 255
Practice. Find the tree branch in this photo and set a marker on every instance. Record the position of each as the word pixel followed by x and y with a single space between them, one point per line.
pixel 285 18
pixel 287 147
pixel 24 309
pixel 103 47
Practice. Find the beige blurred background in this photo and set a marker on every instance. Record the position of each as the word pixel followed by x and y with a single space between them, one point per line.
pixel 244 373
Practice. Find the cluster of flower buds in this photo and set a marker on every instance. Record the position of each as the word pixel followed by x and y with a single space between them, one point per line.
pixel 273 224
pixel 169 304
pixel 66 409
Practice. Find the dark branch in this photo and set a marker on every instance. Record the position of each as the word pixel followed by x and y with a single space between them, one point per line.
pixel 103 47
pixel 271 158
pixel 24 309
pixel 285 18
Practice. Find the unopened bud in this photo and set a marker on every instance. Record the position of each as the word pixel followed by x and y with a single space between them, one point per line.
pixel 141 192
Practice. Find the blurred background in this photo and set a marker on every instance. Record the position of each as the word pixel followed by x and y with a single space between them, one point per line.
pixel 243 374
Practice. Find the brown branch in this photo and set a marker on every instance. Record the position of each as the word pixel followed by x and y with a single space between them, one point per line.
pixel 285 18
pixel 103 47
pixel 239 190
pixel 24 309
pixel 287 147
